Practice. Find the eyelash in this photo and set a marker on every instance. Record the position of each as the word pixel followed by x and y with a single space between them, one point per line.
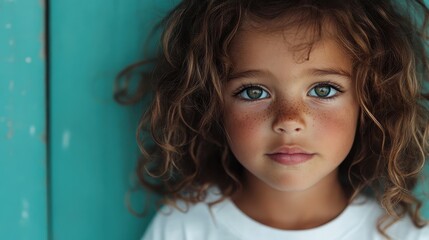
pixel 245 87
pixel 335 86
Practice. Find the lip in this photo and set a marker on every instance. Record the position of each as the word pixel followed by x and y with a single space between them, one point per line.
pixel 290 155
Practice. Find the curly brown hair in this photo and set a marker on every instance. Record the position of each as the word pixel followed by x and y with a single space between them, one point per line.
pixel 188 152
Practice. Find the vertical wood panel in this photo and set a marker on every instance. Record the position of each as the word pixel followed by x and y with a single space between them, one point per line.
pixel 23 198
pixel 93 138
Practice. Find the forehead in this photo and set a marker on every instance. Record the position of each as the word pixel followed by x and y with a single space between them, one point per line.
pixel 297 31
pixel 289 52
pixel 299 35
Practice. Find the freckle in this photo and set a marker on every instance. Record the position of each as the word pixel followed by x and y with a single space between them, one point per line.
pixel 307 110
pixel 266 116
pixel 322 116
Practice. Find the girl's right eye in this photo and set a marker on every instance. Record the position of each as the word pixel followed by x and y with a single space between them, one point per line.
pixel 252 93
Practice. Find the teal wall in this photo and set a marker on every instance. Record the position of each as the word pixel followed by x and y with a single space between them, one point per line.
pixel 23 149
pixel 67 150
pixel 93 149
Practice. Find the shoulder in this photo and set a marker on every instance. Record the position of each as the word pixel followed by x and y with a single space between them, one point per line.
pixel 371 212
pixel 195 222
pixel 169 222
pixel 405 229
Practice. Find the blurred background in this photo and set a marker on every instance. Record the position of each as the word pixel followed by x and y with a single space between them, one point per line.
pixel 67 149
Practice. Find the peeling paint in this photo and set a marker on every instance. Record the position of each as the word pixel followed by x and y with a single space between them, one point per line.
pixel 43 3
pixel 25 213
pixel 28 59
pixel 66 139
pixel 43 137
pixel 8 25
pixel 42 53
pixel 11 42
pixel 32 130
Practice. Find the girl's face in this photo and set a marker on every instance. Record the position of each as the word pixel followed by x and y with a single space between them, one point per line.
pixel 290 121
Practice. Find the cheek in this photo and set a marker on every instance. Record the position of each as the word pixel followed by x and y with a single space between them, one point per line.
pixel 336 129
pixel 243 124
pixel 244 127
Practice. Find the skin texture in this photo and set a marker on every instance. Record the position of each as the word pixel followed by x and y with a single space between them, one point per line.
pixel 287 112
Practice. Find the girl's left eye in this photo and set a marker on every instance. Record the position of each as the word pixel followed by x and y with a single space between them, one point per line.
pixel 252 93
pixel 324 91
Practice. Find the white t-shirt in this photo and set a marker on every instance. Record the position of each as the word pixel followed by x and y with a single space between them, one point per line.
pixel 224 221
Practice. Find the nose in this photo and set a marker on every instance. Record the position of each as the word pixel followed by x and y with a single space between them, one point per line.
pixel 288 119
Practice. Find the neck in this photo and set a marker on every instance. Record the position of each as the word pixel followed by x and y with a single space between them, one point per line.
pixel 292 210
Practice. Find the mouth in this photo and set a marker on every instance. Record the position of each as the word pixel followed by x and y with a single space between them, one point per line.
pixel 290 155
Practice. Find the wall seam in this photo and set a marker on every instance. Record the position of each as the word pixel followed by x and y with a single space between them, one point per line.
pixel 48 120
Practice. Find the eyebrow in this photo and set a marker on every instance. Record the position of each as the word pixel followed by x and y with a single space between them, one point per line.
pixel 248 74
pixel 329 71
pixel 312 71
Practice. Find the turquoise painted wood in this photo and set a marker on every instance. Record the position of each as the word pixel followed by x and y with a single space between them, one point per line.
pixel 23 157
pixel 93 138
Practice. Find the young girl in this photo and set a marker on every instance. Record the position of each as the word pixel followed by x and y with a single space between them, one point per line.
pixel 289 119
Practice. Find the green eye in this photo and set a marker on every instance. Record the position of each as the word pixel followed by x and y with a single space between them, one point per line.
pixel 323 91
pixel 253 93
